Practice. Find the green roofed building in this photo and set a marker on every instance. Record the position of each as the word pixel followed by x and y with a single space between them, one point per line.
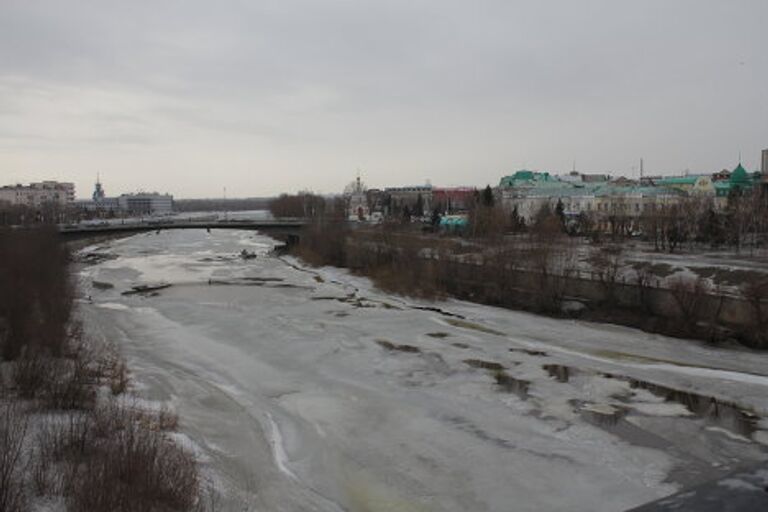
pixel 525 178
pixel 740 180
pixel 526 192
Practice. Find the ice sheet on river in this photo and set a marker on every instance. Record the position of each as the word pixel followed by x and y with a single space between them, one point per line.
pixel 301 396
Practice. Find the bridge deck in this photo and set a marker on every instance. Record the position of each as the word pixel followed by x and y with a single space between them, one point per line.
pixel 281 225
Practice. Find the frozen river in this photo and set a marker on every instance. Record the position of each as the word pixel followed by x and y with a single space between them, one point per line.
pixel 309 390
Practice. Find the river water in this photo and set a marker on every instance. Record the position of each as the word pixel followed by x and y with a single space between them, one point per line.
pixel 308 390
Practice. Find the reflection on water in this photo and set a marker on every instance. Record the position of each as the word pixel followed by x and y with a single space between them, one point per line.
pixel 512 385
pixel 727 415
pixel 530 352
pixel 601 415
pixel 559 372
pixel 723 414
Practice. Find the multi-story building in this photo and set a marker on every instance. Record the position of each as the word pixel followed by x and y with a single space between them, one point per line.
pixel 146 203
pixel 400 198
pixel 693 184
pixel 528 192
pixel 35 195
pixel 578 177
pixel 453 199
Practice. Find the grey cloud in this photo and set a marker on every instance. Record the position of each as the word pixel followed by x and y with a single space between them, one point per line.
pixel 453 90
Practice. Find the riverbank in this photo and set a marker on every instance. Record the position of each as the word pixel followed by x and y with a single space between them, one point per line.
pixel 552 275
pixel 68 414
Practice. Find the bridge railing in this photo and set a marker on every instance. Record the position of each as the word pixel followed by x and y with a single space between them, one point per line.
pixel 180 223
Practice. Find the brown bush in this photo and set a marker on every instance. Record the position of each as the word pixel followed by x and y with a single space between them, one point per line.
pixel 488 222
pixel 118 377
pixel 323 243
pixel 756 294
pixel 606 266
pixel 63 443
pixel 137 470
pixel 124 449
pixel 13 431
pixel 643 281
pixel 35 292
pixel 58 383
pixel 70 386
pixel 104 457
pixel 690 294
pixel 31 372
pixel 161 420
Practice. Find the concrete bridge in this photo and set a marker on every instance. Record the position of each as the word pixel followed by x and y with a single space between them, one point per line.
pixel 287 229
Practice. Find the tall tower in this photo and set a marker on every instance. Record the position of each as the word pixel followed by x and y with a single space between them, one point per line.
pixel 98 192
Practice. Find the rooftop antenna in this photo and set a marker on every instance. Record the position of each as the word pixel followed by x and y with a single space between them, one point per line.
pixel 641 168
pixel 574 167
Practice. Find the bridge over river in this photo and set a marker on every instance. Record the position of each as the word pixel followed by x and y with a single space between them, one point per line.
pixel 288 228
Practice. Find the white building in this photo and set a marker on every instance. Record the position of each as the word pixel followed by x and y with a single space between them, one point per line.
pixel 35 195
pixel 146 203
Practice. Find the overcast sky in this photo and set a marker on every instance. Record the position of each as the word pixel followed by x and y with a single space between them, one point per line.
pixel 191 96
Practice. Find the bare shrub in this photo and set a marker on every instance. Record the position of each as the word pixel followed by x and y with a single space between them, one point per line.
pixel 551 258
pixel 124 449
pixel 642 281
pixel 35 292
pixel 160 420
pixel 13 432
pixel 323 243
pixel 117 375
pixel 31 372
pixel 98 456
pixel 606 267
pixel 68 438
pixel 70 386
pixel 62 443
pixel 487 221
pixel 60 383
pixel 42 475
pixel 138 470
pixel 689 295
pixel 209 498
pixel 756 294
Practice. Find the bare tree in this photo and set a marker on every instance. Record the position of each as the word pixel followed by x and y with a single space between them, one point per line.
pixel 643 280
pixel 756 294
pixel 689 294
pixel 606 266
pixel 552 259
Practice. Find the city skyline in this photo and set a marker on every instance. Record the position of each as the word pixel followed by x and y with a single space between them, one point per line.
pixel 189 98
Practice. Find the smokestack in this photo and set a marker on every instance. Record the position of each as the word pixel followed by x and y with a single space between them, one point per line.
pixel 764 167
